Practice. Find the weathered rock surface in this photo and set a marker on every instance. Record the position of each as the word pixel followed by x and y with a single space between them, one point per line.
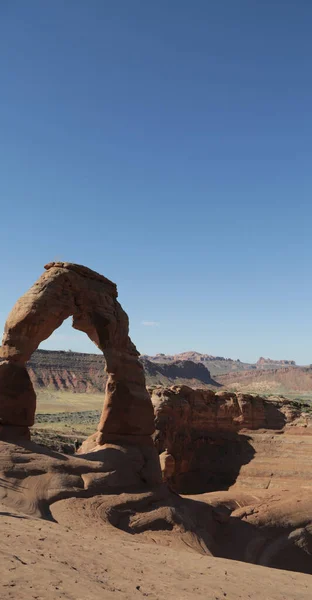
pixel 215 440
pixel 33 479
pixel 80 556
pixel 115 480
pixel 17 395
pixel 205 410
pixel 67 289
pixel 266 527
pixel 110 489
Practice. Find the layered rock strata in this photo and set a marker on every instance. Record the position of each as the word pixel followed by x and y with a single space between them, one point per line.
pixel 210 441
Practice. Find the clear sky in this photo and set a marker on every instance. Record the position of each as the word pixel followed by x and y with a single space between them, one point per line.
pixel 167 145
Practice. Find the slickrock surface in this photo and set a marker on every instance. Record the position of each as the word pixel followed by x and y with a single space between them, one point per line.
pixel 111 489
pixel 79 558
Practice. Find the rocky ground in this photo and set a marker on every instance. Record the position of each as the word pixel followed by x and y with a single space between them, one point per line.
pixel 91 527
pixel 73 558
pixel 178 492
pixel 65 536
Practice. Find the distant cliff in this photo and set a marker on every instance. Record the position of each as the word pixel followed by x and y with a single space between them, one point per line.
pixel 205 438
pixel 217 365
pixel 278 380
pixel 191 355
pixel 269 361
pixel 195 374
pixel 84 373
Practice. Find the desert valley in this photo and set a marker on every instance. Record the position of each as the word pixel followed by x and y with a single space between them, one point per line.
pixel 156 432
pixel 196 486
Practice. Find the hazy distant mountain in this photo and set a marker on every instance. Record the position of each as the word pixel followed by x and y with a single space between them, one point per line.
pixel 216 364
pixel 268 361
pixel 219 365
pixel 291 381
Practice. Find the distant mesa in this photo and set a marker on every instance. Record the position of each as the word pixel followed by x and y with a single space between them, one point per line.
pixel 217 365
pixel 194 373
pixel 190 355
pixel 270 361
pixel 85 373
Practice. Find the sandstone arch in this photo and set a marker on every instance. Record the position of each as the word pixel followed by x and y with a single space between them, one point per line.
pixel 64 290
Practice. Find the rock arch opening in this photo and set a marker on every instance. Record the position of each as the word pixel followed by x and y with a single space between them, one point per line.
pixel 68 362
pixel 69 290
pixel 67 339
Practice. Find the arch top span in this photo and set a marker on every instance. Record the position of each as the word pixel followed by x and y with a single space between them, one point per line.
pixel 84 272
pixel 63 290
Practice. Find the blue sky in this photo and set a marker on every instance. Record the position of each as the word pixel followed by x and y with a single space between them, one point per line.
pixel 168 146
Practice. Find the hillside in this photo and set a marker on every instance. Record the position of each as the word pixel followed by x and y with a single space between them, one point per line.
pixel 291 381
pixel 180 371
pixel 264 362
pixel 67 371
pixel 215 364
pixel 219 365
pixel 84 373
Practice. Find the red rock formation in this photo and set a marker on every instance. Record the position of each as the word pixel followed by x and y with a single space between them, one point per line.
pixel 205 410
pixel 205 439
pixel 270 361
pixel 67 289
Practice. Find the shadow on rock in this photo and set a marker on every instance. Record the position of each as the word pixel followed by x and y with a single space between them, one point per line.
pixel 212 463
pixel 274 416
pixel 288 548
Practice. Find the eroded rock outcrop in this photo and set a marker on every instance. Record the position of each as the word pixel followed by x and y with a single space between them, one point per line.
pixel 64 290
pixel 269 361
pixel 211 440
pixel 118 481
pixel 181 407
pixel 106 490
